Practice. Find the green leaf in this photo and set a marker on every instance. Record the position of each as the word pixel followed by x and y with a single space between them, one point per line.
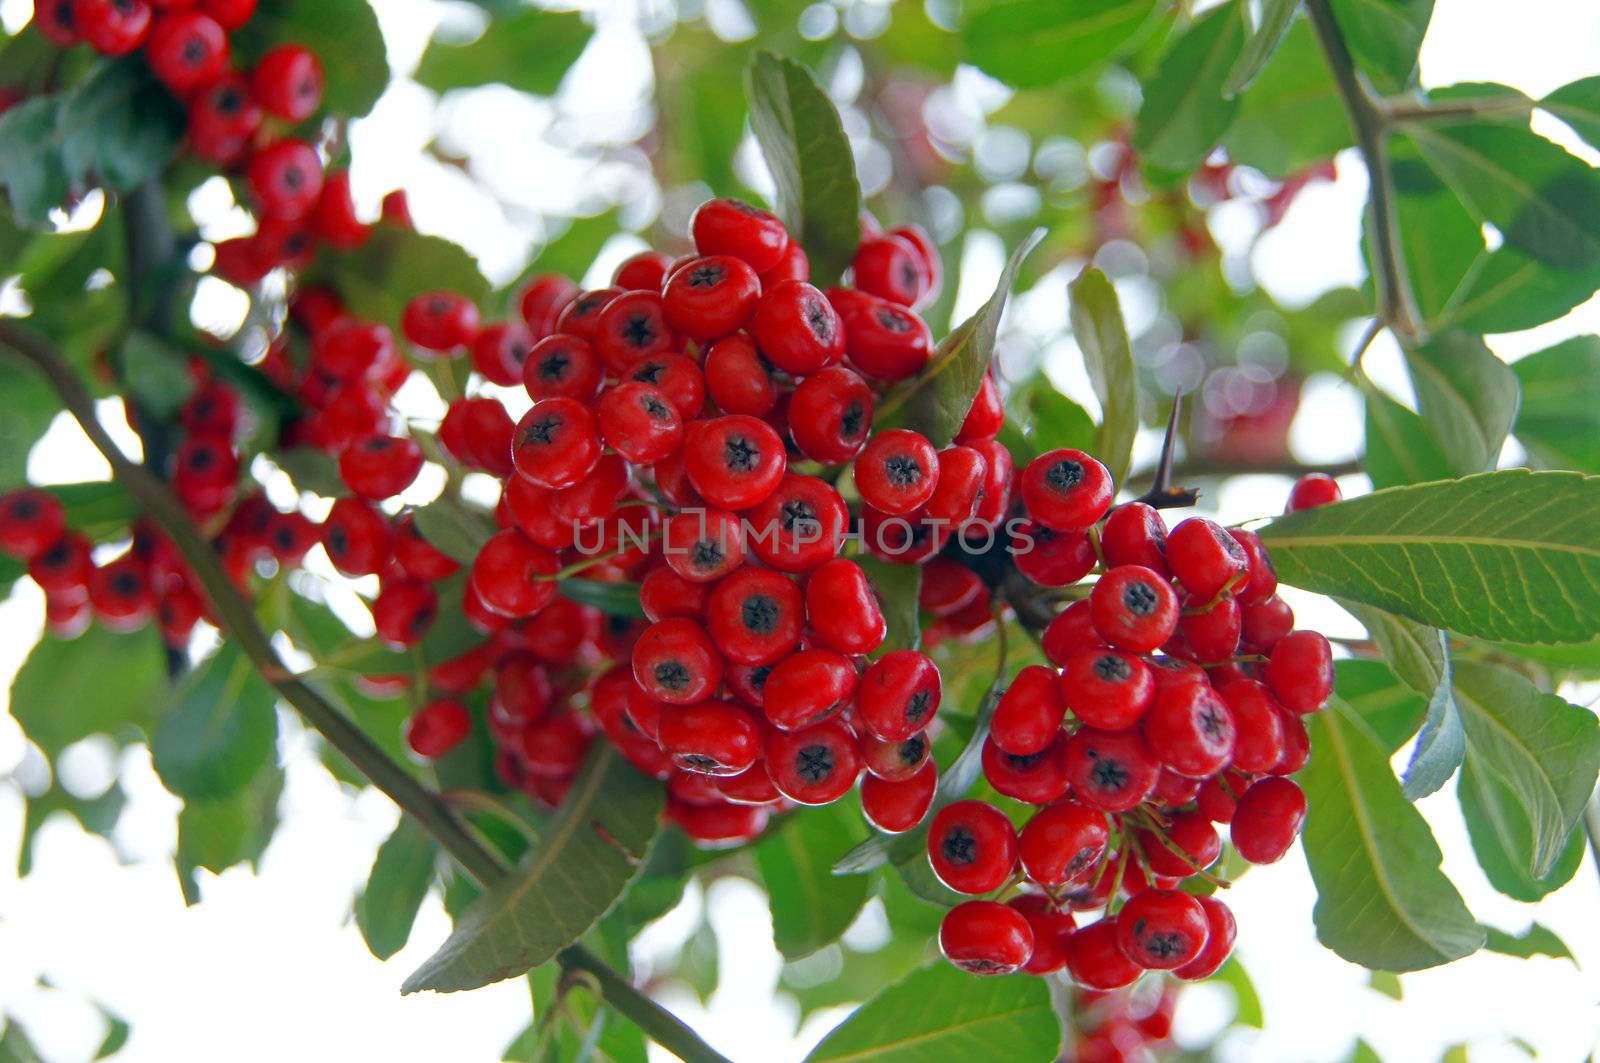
pixel 1391 708
pixel 1559 421
pixel 810 907
pixel 31 171
pixel 1384 36
pixel 1400 449
pixel 1034 43
pixel 1184 112
pixel 1467 398
pixel 1108 358
pixel 528 49
pixel 157 372
pixel 102 682
pixel 343 33
pixel 593 848
pixel 1506 555
pixel 1292 116
pixel 119 125
pixel 396 888
pixel 897 587
pixel 1544 749
pixel 1543 200
pixel 217 833
pixel 1502 837
pixel 1537 940
pixel 454 527
pixel 1420 655
pixel 379 278
pixel 939 1012
pixel 1058 422
pixel 1387 983
pixel 1276 17
pixel 222 730
pixel 613 599
pixel 936 401
pixel 1382 901
pixel 808 153
pixel 1578 105
pixel 1247 1006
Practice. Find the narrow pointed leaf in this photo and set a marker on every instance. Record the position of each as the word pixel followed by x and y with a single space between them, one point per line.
pixel 1184 112
pixel 1400 449
pixel 811 907
pixel 396 887
pixel 1578 105
pixel 1467 398
pixel 594 846
pixel 1276 17
pixel 1103 337
pixel 1384 36
pixel 1537 940
pixel 1502 837
pixel 613 599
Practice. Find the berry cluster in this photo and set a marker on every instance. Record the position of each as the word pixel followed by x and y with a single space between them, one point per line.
pixel 1173 702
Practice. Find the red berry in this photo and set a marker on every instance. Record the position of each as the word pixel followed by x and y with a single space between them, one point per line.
pixel 808 687
pixel 1300 671
pixel 403 611
pixel 738 379
pixel 674 661
pixel 541 301
pixel 677 377
pixel 898 695
pixel 562 366
pixel 947 586
pixel 1110 770
pixel 1211 635
pixel 112 27
pixel 499 351
pixel 897 806
pixel 800 526
pixel 1134 609
pixel 1268 819
pixel 895 761
pixel 842 609
pixel 1194 839
pixel 1204 557
pixel 438 727
pixel 581 314
pixel 1029 713
pixel 753 786
pixel 120 594
pixel 703 545
pixel 1218 946
pixel 380 467
pixel 729 227
pixel 1037 778
pixel 1262 583
pixel 986 416
pixel 986 938
pixel 439 320
pixel 1050 928
pixel 1066 490
pixel 972 847
pixel 1135 534
pixel 186 49
pixel 897 471
pixel 796 328
pixel 56 22
pixel 356 537
pixel 1051 558
pixel 1096 961
pixel 755 616
pixel 232 14
pixel 962 472
pixel 1106 688
pixel 288 82
pixel 883 340
pixel 64 566
pixel 709 297
pixel 1070 631
pixel 891 268
pixel 1296 744
pixel 1313 490
pixel 1258 723
pixel 814 766
pixel 511 574
pixel 633 326
pixel 286 179
pixel 1063 843
pixel 222 118
pixel 734 461
pixel 643 272
pixel 927 253
pixel 711 737
pixel 1162 929
pixel 557 443
pixel 639 422
pixel 30 522
pixel 830 415
pixel 1263 626
pixel 1190 730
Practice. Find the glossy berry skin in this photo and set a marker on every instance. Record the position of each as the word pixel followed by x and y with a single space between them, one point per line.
pixel 986 416
pixel 1037 778
pixel 30 522
pixel 1051 558
pixel 738 379
pixel 730 227
pixel 1110 770
pixel 1258 722
pixel 1070 631
pixel 710 297
pixel 112 27
pixel 541 301
pixel 232 14
pixel 438 727
pixel 633 326
pixel 830 415
pixel 806 688
pixel 562 366
pixel 891 268
pixel 884 341
pixel 403 611
pixel 1262 581
pixel 1062 843
pixel 1313 490
pixel 664 593
pixel 286 179
pixel 1134 609
pixel 674 661
pixel 1106 688
pixel 898 695
pixel 645 271
pixel 755 616
pixel 894 761
pixel 1296 745
pixel 842 610
pixel 703 545
pixel 734 461
pixel 1190 730
pixel 580 317
pixel 288 82
pixel 1029 713
pixel 557 443
pixel 356 538
pixel 1162 929
pixel 710 737
pixel 1263 626
pixel 439 321
pixel 1267 819
pixel 677 377
pixel 511 574
pixel 119 593
pixel 499 351
pixel 947 586
pixel 1066 490
pixel 897 806
pixel 753 786
pixel 639 422
pixel 1191 844
pixel 800 526
pixel 1135 534
pixel 986 938
pixel 962 471
pixel 1096 961
pixel 814 766
pixel 56 22
pixel 1219 942
pixel 897 472
pixel 972 847
pixel 1050 928
pixel 1300 671
pixel 380 467
pixel 1209 631
pixel 1204 557
pixel 64 566
pixel 222 117
pixel 797 329
pixel 186 49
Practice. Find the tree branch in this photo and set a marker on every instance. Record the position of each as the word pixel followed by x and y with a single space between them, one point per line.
pixel 1396 305
pixel 239 625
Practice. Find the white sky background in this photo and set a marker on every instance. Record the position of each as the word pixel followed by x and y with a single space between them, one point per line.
pixel 268 967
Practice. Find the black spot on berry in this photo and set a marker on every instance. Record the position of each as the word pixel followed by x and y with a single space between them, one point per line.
pixel 1064 475
pixel 740 455
pixel 1140 598
pixel 649 372
pixel 672 675
pixel 542 431
pixel 902 470
pixel 1112 669
pixel 639 331
pixel 917 705
pixel 1108 776
pixel 760 614
pixel 814 763
pixel 706 276
pixel 913 749
pixel 959 846
pixel 853 422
